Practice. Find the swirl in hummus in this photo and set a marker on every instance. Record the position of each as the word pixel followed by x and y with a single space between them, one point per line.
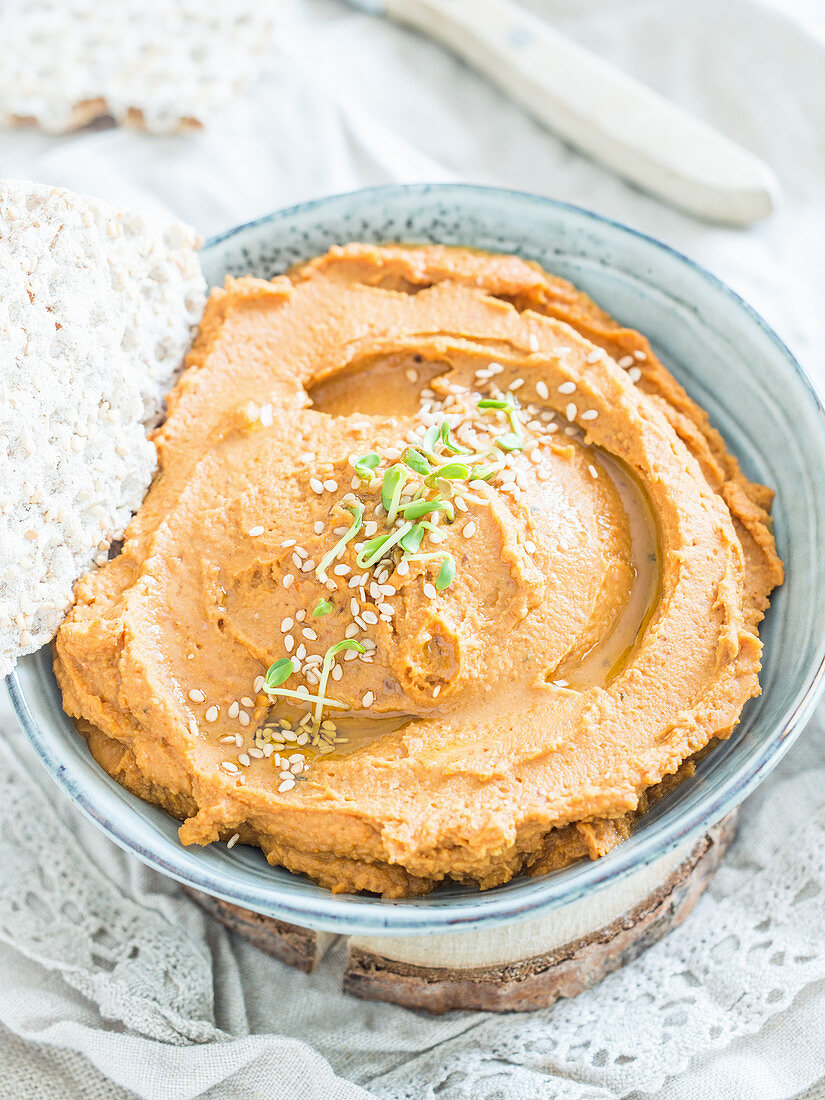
pixel 443 576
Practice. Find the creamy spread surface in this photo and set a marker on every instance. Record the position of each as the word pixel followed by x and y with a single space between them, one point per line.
pixel 443 576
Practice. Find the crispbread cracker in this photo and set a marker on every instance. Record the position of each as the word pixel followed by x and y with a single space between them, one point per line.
pixel 97 308
pixel 160 65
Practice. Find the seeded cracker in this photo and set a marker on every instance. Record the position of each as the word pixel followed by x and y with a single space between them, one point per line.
pixel 97 307
pixel 159 65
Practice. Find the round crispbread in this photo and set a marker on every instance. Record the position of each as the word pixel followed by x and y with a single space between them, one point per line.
pixel 159 65
pixel 97 308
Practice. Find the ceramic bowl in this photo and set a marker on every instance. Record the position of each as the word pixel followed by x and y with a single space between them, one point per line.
pixel 728 359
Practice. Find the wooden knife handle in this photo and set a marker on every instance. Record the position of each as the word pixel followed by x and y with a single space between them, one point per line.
pixel 601 111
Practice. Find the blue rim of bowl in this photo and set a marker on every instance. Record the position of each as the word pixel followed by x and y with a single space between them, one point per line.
pixel 337 913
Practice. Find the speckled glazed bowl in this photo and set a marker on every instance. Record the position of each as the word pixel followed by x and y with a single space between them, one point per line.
pixel 729 361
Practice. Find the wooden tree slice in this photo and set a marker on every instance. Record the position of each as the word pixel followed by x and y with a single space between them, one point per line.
pixel 295 946
pixel 381 968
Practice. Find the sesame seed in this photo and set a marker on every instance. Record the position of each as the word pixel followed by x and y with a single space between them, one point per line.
pixel 287 785
pixel 309 633
pixel 354 606
pixel 640 355
pixel 436 691
pixel 255 531
pixel 337 673
pixel 300 615
pixel 429 591
pixel 308 565
pixel 243 758
pixel 212 714
pixel 259 683
pixel 233 840
pixel 542 390
pixel 590 414
pixel 403 568
pixel 289 542
pixel 412 375
pixel 469 529
pixel 288 580
pixel 318 527
pixel 300 653
pixel 370 528
pixel 227 765
pixel 243 718
pixel 289 643
pixel 634 374
pixel 567 387
pixel 287 625
pixel 351 631
pixel 386 609
pixel 625 361
pixel 341 570
pixel 247 702
pixel 256 753
pixel 517 384
pixel 594 355
pixel 331 485
pixel 570 411
pixel 369 617
pixel 234 707
pixel 533 342
pixel 316 485
pixel 193 727
pixel 297 561
pixel 197 696
pixel 530 547
pixel 593 471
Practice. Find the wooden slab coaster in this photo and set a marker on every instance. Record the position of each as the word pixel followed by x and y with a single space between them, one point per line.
pixel 295 946
pixel 465 969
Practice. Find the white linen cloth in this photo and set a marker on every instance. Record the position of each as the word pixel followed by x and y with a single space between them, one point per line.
pixel 113 983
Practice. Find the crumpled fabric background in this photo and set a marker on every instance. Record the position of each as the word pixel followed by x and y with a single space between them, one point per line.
pixel 113 983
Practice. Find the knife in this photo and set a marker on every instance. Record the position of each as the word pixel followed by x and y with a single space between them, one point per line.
pixel 596 108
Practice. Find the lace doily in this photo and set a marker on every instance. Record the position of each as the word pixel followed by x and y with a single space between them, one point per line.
pixel 133 946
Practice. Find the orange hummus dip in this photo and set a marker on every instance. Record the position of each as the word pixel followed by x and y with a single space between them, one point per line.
pixel 443 576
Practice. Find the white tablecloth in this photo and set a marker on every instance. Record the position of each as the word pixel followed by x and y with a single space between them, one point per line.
pixel 113 984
